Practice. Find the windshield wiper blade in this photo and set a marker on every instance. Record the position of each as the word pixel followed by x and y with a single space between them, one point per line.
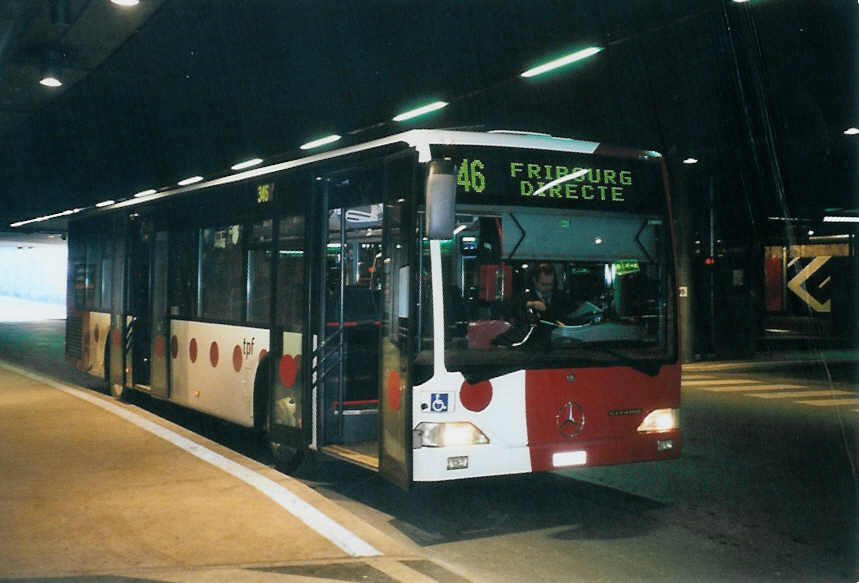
pixel 648 367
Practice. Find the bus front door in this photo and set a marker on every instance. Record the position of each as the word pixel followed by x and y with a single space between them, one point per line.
pixel 349 322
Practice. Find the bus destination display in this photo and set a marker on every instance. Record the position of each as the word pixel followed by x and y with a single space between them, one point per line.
pixel 572 181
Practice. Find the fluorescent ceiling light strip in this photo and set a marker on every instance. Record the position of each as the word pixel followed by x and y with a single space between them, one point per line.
pixel 320 142
pixel 51 82
pixel 105 203
pixel 690 161
pixel 145 193
pixel 571 58
pixel 562 179
pixel 246 164
pixel 191 180
pixel 435 106
pixel 840 219
pixel 851 131
pixel 46 217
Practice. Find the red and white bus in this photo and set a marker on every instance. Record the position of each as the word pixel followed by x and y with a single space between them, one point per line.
pixel 371 303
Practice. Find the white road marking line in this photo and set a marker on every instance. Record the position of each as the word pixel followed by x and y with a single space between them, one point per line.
pixel 306 513
pixel 719 382
pixel 746 388
pixel 832 403
pixel 794 394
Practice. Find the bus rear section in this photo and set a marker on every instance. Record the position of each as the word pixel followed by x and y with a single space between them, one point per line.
pixel 548 331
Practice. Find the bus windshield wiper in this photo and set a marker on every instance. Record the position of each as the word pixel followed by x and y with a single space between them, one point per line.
pixel 648 367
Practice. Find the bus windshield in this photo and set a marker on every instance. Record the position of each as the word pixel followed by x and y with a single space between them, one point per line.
pixel 537 288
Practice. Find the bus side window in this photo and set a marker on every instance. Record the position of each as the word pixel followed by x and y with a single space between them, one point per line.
pixel 290 274
pixel 221 276
pixel 183 273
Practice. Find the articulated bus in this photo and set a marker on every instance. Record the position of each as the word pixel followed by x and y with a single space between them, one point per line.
pixel 372 303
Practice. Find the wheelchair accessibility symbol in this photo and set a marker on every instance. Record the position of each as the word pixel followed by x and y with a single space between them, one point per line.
pixel 439 402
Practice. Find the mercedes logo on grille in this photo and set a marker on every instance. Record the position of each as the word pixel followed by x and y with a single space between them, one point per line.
pixel 570 419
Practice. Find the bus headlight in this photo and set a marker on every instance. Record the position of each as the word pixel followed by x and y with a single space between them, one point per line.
pixel 660 420
pixel 428 434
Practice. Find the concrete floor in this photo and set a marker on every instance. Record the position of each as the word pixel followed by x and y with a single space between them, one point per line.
pixel 86 492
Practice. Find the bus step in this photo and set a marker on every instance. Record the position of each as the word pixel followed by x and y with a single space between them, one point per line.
pixel 344 452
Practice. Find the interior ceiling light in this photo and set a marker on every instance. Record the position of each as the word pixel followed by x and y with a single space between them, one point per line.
pixel 429 108
pixel 190 180
pixel 320 142
pixel 851 131
pixel 246 164
pixel 566 60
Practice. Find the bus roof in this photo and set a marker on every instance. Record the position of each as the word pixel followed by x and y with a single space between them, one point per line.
pixel 421 140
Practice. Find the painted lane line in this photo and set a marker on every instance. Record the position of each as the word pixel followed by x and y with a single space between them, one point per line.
pixel 794 394
pixel 746 388
pixel 306 513
pixel 724 382
pixel 831 402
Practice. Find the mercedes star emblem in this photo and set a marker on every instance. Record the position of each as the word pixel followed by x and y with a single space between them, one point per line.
pixel 570 419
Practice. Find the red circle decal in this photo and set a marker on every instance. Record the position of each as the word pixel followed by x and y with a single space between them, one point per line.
pixel 288 370
pixel 174 346
pixel 213 353
pixel 192 350
pixel 393 388
pixel 116 336
pixel 159 346
pixel 237 358
pixel 475 397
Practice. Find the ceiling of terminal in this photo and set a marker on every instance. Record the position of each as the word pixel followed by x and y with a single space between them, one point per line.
pixel 759 92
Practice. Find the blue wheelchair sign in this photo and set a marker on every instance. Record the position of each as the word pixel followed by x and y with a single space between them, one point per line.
pixel 439 402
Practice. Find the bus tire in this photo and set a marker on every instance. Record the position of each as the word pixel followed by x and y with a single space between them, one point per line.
pixel 286 459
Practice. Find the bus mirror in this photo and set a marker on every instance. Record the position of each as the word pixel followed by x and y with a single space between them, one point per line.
pixel 441 199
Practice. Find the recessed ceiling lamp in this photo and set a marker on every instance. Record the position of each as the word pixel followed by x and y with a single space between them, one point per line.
pixel 190 180
pixel 690 161
pixel 320 142
pixel 246 164
pixel 50 69
pixel 561 62
pixel 851 131
pixel 146 192
pixel 423 110
pixel 126 2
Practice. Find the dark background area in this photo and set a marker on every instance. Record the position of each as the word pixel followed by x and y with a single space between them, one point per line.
pixel 759 92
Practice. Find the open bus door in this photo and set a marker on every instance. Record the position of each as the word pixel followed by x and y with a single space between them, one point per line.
pixel 362 303
pixel 346 325
pixel 399 312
